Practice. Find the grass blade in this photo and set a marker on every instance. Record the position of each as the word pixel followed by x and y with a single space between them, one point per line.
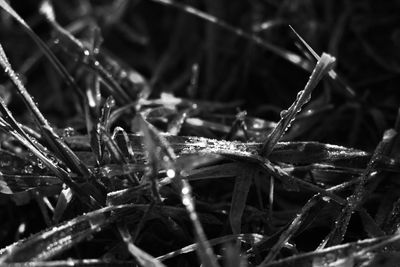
pixel 45 49
pixel 141 257
pixel 205 251
pixel 337 234
pixel 239 196
pixel 332 74
pixel 285 54
pixel 323 66
pixel 51 242
pixel 55 141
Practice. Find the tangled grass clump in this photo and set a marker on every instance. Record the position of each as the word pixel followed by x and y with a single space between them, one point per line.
pixel 125 140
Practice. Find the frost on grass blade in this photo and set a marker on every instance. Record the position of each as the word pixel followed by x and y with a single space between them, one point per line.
pixel 323 66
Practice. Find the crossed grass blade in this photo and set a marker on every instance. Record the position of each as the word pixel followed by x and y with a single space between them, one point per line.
pixel 53 241
pixel 162 156
pixel 323 66
pixel 355 200
pixel 334 256
pixel 332 73
pixel 48 133
pixel 247 238
pixel 86 199
pixel 86 56
pixel 141 257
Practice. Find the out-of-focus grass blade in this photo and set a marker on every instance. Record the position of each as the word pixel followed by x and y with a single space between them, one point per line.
pixel 383 259
pixel 53 241
pixel 285 54
pixel 215 172
pixel 141 257
pixel 233 257
pixel 10 184
pixel 239 196
pixel 45 49
pixel 245 238
pixel 323 66
pixel 64 199
pixel 76 47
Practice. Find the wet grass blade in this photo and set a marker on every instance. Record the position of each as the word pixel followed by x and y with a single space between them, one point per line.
pixel 337 234
pixel 323 66
pixel 48 133
pixel 74 262
pixel 251 239
pixel 162 156
pixel 333 256
pixel 53 241
pixel 314 152
pixel 10 184
pixel 332 74
pixel 87 199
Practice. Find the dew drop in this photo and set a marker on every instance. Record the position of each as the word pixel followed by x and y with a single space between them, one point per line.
pixel 40 164
pixel 299 94
pixel 170 173
pixel 326 199
pixel 68 132
pixel 284 113
pixel 28 169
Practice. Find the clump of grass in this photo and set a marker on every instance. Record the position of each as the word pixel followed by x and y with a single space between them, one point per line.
pixel 151 170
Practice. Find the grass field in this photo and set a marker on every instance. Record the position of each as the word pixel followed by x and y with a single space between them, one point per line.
pixel 199 133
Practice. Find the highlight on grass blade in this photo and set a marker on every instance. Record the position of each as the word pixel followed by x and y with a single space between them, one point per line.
pixel 334 76
pixel 51 242
pixel 48 133
pixel 323 66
